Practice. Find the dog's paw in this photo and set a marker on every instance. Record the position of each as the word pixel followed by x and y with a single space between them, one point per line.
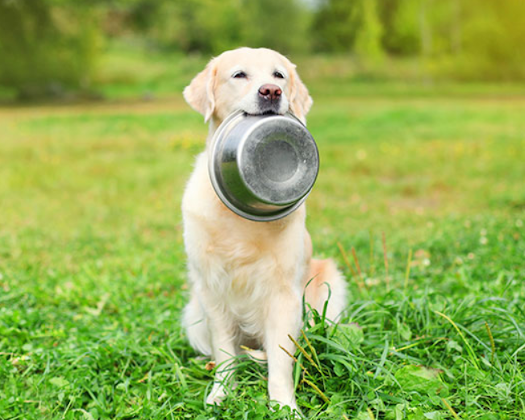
pixel 216 395
pixel 296 413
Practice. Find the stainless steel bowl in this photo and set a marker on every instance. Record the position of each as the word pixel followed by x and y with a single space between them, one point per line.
pixel 263 167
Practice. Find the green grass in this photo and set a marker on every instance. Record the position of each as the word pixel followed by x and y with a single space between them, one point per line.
pixel 92 266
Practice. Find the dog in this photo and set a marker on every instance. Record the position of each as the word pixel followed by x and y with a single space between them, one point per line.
pixel 247 278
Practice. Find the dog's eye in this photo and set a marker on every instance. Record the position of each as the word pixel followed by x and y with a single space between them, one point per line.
pixel 239 75
pixel 277 74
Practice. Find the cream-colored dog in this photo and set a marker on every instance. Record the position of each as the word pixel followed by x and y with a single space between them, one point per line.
pixel 248 278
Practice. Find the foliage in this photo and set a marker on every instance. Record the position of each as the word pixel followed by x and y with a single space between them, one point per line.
pixel 493 39
pixel 335 26
pixel 45 49
pixel 469 39
pixel 211 27
pixel 50 47
pixel 203 26
pixel 368 40
pixel 281 25
pixel 401 34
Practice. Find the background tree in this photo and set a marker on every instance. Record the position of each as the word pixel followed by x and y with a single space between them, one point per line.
pixel 208 26
pixel 46 47
pixel 283 25
pixel 493 39
pixel 401 35
pixel 335 26
pixel 369 32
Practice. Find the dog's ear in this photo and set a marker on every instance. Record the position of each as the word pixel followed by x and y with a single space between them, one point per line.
pixel 200 92
pixel 300 100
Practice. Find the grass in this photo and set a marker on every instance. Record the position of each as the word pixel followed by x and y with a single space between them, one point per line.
pixel 92 267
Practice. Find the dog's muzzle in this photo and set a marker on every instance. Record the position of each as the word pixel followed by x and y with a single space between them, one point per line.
pixel 269 98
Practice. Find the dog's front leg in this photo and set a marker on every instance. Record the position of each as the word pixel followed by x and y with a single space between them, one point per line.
pixel 223 350
pixel 283 319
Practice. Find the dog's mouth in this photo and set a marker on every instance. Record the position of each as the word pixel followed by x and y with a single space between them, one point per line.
pixel 267 112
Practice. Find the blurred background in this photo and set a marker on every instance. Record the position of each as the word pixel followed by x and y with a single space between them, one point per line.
pixel 53 48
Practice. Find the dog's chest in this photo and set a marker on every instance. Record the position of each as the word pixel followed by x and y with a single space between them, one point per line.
pixel 241 264
pixel 246 266
pixel 241 277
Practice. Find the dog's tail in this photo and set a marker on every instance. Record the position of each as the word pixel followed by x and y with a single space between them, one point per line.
pixel 325 282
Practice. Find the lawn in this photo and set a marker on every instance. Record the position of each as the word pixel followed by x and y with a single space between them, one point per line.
pixel 421 187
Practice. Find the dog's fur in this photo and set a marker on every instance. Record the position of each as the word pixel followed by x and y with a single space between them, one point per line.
pixel 248 278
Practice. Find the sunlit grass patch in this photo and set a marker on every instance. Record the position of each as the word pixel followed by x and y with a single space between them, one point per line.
pixel 424 194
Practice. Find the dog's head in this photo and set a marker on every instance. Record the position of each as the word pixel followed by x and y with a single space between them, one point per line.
pixel 256 81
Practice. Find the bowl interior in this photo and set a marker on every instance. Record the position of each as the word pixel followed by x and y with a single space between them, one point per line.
pixel 278 160
pixel 263 167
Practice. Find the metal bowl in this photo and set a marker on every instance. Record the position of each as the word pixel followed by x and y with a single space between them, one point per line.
pixel 263 167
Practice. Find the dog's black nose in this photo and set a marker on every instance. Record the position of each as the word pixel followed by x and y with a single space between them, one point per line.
pixel 270 92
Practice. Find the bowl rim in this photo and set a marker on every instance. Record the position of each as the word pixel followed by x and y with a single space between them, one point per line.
pixel 279 214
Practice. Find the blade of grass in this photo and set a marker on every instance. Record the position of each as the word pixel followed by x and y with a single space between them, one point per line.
pixel 312 350
pixel 469 348
pixel 372 266
pixel 288 353
pixel 316 389
pixel 385 258
pixel 449 407
pixel 370 413
pixel 492 344
pixel 349 265
pixel 382 360
pixel 308 357
pixel 360 275
pixel 407 273
pixel 356 260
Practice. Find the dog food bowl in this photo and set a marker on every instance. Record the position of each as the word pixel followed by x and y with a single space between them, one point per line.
pixel 263 167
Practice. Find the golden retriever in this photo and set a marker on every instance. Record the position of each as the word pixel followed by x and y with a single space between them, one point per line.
pixel 247 278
